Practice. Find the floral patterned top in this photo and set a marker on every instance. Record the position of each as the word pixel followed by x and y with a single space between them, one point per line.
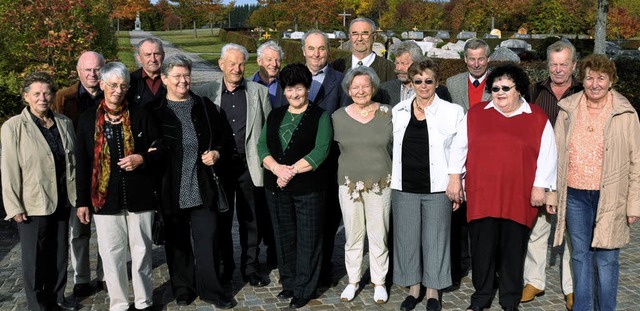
pixel 365 151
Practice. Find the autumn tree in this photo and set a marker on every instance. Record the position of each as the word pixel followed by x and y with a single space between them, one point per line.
pixel 127 9
pixel 621 24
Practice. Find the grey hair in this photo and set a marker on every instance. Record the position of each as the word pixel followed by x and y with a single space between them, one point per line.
pixel 560 45
pixel 360 71
pixel 152 40
pixel 313 32
pixel 366 20
pixel 475 43
pixel 38 77
pixel 177 60
pixel 96 54
pixel 270 45
pixel 410 47
pixel 114 69
pixel 233 46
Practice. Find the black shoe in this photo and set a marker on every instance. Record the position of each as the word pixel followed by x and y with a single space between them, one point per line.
pixel 256 280
pixel 510 309
pixel 101 285
pixel 454 287
pixel 66 305
pixel 285 294
pixel 223 303
pixel 433 305
pixel 474 308
pixel 409 303
pixel 82 290
pixel 184 300
pixel 297 303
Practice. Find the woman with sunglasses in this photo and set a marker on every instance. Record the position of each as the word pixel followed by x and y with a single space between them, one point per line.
pixel 423 128
pixel 509 151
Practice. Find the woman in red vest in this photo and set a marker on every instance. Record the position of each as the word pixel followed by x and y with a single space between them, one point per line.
pixel 508 149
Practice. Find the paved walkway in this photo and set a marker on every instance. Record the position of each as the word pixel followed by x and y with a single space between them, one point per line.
pixel 249 298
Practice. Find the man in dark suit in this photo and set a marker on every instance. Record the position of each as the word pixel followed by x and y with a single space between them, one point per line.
pixel 326 92
pixel 397 90
pixel 362 34
pixel 269 59
pixel 467 89
pixel 145 87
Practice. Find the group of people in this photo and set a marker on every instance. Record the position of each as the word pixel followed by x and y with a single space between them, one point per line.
pixel 430 175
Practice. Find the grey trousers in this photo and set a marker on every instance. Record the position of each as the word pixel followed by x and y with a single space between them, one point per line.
pixel 79 241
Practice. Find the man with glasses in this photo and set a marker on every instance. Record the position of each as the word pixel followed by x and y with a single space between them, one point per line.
pixel 394 91
pixel 561 60
pixel 145 88
pixel 362 36
pixel 72 101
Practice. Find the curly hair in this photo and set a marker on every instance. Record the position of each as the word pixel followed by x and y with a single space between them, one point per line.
pixel 41 77
pixel 599 63
pixel 422 65
pixel 515 73
pixel 294 74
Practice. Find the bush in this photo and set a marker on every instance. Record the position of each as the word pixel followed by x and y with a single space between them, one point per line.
pixel 248 41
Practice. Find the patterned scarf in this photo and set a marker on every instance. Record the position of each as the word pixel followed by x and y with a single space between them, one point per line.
pixel 102 155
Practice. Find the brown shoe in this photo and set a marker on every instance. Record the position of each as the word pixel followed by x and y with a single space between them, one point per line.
pixel 530 292
pixel 569 301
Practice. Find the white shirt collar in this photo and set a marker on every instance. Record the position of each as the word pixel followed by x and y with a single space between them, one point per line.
pixel 367 61
pixel 524 108
pixel 484 76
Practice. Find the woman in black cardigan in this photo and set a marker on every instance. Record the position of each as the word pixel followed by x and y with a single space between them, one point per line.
pixel 115 179
pixel 193 139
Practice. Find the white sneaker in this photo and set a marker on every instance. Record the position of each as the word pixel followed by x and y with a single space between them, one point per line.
pixel 380 295
pixel 349 293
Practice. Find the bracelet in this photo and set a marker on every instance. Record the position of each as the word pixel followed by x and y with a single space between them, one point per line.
pixel 273 168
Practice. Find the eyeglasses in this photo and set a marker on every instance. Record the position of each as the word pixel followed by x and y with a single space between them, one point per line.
pixel 186 76
pixel 505 89
pixel 122 87
pixel 364 35
pixel 427 82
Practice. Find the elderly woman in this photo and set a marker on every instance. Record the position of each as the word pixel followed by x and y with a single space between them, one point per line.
pixel 363 132
pixel 598 137
pixel 293 145
pixel 509 151
pixel 193 137
pixel 423 128
pixel 115 183
pixel 38 189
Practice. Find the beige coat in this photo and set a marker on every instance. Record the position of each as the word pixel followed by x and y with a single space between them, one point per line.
pixel 620 181
pixel 28 169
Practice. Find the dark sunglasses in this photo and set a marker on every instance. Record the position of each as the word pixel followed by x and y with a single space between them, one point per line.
pixel 505 89
pixel 418 82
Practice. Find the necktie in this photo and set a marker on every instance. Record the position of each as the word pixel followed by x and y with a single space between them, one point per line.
pixel 360 63
pixel 476 83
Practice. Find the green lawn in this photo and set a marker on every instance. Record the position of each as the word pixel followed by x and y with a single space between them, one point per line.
pixel 125 50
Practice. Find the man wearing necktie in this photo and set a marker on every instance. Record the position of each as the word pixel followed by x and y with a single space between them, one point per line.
pixel 362 35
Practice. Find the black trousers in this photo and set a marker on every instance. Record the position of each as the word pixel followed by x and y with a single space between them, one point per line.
pixel 498 248
pixel 44 241
pixel 460 256
pixel 248 201
pixel 297 224
pixel 193 253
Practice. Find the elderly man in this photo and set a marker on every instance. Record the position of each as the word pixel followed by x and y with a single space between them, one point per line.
pixel 72 101
pixel 269 60
pixel 362 36
pixel 246 106
pixel 466 89
pixel 561 60
pixel 145 88
pixel 326 92
pixel 397 90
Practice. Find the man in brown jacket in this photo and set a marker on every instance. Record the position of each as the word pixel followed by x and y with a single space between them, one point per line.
pixel 72 101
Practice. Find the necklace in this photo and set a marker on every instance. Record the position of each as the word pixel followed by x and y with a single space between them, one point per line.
pixel 115 119
pixel 364 112
pixel 415 100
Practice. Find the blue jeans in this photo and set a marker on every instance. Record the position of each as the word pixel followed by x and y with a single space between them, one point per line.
pixel 582 207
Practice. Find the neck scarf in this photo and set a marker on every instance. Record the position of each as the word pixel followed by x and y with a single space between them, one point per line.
pixel 102 155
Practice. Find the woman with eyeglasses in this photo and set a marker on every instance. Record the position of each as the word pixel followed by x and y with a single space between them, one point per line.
pixel 508 150
pixel 115 183
pixel 363 132
pixel 423 128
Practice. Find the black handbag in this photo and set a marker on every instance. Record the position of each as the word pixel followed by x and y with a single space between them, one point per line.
pixel 223 203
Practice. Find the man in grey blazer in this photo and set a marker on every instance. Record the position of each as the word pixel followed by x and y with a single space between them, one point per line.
pixel 394 91
pixel 246 106
pixel 468 88
pixel 362 34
